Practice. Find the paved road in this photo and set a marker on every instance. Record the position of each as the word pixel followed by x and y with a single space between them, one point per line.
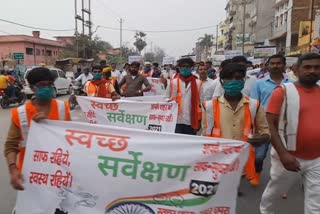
pixel 247 204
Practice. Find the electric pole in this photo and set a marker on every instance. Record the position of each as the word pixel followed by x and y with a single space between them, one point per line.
pixel 76 26
pixel 121 21
pixel 244 3
pixel 311 23
pixel 217 32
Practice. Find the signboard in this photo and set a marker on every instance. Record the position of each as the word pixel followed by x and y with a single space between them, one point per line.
pixel 239 39
pixel 264 52
pixel 291 60
pixel 154 116
pixel 81 169
pixel 18 56
pixel 304 33
pixel 132 59
pixel 232 53
pixel 169 60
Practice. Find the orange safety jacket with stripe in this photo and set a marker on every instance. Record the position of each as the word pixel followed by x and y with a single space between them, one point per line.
pixel 176 95
pixel 23 115
pixel 149 74
pixel 212 127
pixel 92 90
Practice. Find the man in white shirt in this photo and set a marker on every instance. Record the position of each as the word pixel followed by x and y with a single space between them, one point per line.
pixel 126 70
pixel 86 76
pixel 208 85
pixel 114 72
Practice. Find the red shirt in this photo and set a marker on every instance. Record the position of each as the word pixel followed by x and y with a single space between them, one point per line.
pixel 308 135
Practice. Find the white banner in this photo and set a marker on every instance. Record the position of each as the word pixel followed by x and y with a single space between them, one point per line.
pixel 132 59
pixel 232 53
pixel 169 60
pixel 154 116
pixel 157 87
pixel 79 169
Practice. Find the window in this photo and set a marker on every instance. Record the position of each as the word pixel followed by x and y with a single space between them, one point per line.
pixel 281 20
pixel 29 51
pixel 49 52
pixel 54 73
pixel 277 22
pixel 61 74
pixel 42 52
pixel 38 52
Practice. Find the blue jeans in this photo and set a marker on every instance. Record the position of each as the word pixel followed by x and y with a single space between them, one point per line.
pixel 260 155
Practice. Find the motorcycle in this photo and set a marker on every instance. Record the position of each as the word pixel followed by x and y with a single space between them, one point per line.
pixel 20 97
pixel 77 90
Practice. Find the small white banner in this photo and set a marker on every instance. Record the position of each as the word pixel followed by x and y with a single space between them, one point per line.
pixel 154 116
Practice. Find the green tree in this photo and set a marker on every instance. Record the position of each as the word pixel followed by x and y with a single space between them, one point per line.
pixel 86 48
pixel 149 57
pixel 140 42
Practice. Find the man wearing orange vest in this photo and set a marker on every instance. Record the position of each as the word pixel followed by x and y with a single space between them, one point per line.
pixel 235 116
pixel 42 106
pixel 99 87
pixel 147 72
pixel 107 75
pixel 186 90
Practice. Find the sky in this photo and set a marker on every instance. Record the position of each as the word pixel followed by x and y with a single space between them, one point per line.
pixel 145 15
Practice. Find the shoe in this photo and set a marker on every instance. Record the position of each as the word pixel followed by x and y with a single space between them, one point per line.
pixel 256 180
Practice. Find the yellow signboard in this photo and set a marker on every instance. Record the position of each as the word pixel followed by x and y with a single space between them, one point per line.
pixel 304 32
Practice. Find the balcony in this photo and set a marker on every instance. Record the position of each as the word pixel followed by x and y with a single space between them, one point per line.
pixel 279 31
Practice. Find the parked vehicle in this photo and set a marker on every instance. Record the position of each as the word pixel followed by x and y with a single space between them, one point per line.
pixel 61 84
pixel 20 98
pixel 77 90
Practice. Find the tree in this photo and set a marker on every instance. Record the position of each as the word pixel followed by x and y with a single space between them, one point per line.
pixel 149 57
pixel 206 42
pixel 140 42
pixel 86 48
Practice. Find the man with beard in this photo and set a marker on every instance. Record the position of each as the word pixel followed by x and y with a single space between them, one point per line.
pixel 292 114
pixel 134 82
pixel 262 91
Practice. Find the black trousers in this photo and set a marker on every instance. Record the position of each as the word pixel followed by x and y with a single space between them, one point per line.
pixel 185 129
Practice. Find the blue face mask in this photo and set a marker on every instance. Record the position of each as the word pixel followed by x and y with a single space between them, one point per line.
pixel 97 76
pixel 185 72
pixel 233 87
pixel 44 93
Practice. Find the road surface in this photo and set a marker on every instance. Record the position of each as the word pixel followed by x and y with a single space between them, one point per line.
pixel 247 204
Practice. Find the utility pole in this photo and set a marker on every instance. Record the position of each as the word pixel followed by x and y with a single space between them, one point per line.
pixel 244 3
pixel 121 21
pixel 217 32
pixel 311 24
pixel 76 26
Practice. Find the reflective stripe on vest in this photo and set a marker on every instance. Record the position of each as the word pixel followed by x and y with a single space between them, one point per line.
pixel 24 126
pixel 61 110
pixel 289 116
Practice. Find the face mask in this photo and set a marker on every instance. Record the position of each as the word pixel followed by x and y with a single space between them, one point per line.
pixel 233 87
pixel 185 72
pixel 44 93
pixel 97 76
pixel 86 73
pixel 148 69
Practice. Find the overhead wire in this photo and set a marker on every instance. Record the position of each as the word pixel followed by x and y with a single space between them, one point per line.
pixel 32 27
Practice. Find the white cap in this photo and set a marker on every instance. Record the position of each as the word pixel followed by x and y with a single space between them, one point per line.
pixel 147 63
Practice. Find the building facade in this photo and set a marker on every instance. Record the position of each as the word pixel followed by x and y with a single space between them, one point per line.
pixel 36 50
pixel 292 25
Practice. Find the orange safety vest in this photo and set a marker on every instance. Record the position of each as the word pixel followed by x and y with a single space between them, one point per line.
pixel 92 90
pixel 212 128
pixel 147 74
pixel 23 115
pixel 178 97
